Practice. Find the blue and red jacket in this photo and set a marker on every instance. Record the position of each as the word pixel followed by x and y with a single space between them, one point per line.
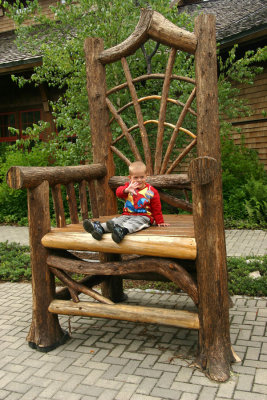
pixel 145 202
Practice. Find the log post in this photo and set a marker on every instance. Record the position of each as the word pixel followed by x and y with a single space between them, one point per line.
pixel 101 142
pixel 45 333
pixel 215 353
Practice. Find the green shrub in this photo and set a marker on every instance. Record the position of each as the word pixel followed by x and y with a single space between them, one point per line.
pixel 238 276
pixel 14 262
pixel 14 202
pixel 244 185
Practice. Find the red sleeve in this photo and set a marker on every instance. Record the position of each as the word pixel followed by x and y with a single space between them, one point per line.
pixel 120 191
pixel 156 208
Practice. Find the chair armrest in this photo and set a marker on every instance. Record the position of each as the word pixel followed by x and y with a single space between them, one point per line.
pixel 30 177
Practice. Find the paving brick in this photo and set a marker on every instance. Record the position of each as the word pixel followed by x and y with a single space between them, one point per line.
pixel 147 385
pixel 186 387
pixel 166 393
pixel 145 397
pixel 245 382
pixel 207 393
pixel 126 391
pixel 189 396
pixel 61 395
pixel 17 387
pixel 261 376
pixel 108 395
pixel 238 395
pixel 148 372
pixel 260 389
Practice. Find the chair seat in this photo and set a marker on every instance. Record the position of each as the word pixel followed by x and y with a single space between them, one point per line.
pixel 175 241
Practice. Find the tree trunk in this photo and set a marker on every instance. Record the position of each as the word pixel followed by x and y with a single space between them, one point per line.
pixel 214 334
pixel 45 332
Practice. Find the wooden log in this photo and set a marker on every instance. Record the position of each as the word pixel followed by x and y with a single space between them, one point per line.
pixel 178 318
pixel 125 130
pixel 165 32
pixel 154 25
pixel 99 123
pixel 215 353
pixel 62 293
pixel 153 76
pixel 181 156
pixel 77 287
pixel 58 205
pixel 159 246
pixel 203 170
pixel 29 177
pixel 175 202
pixel 169 268
pixel 162 112
pixel 93 199
pixel 45 332
pixel 173 181
pixel 176 130
pixel 139 116
pixel 83 199
pixel 120 155
pixel 72 202
pixel 112 288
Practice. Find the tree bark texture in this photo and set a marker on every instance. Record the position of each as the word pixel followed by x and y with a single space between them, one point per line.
pixel 214 334
pixel 45 332
pixel 125 312
pixel 174 181
pixel 151 25
pixel 173 270
pixel 29 177
pixel 99 123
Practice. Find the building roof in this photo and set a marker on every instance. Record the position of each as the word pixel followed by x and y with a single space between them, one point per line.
pixel 10 56
pixel 234 18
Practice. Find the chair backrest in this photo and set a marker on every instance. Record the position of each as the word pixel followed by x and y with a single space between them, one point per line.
pixel 157 121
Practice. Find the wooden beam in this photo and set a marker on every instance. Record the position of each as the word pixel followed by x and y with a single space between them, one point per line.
pixel 173 270
pixel 29 177
pixel 172 181
pixel 160 246
pixel 215 353
pixel 151 25
pixel 178 318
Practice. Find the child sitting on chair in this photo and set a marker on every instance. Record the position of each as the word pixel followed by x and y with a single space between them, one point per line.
pixel 142 207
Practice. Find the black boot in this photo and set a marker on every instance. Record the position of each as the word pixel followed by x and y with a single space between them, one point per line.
pixel 94 228
pixel 118 232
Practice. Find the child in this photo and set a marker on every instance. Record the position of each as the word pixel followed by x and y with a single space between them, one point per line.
pixel 142 207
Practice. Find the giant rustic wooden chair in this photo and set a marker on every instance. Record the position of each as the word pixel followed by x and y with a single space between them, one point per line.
pixel 196 239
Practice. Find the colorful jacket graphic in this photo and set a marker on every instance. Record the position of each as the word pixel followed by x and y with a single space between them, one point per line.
pixel 145 202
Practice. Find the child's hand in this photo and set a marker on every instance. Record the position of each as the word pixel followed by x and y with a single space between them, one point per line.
pixel 131 188
pixel 164 224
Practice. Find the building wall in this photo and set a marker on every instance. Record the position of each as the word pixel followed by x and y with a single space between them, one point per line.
pixel 254 127
pixel 8 25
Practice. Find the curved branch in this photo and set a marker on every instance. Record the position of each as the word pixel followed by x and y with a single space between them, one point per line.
pixel 167 267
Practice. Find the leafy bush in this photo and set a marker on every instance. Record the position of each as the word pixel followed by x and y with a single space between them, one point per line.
pixel 14 262
pixel 238 276
pixel 244 185
pixel 14 202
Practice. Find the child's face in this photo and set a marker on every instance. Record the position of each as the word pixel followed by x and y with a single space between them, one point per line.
pixel 139 176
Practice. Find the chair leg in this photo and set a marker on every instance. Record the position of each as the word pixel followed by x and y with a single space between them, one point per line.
pixel 45 333
pixel 112 288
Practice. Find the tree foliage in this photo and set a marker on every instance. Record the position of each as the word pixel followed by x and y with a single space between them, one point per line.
pixel 60 41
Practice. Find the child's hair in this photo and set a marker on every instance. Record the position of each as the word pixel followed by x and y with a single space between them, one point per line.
pixel 136 165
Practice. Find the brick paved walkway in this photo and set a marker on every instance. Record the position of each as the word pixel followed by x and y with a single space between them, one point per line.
pixel 117 360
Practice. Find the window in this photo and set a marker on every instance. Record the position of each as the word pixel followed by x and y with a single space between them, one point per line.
pixel 20 120
pixel 7 120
